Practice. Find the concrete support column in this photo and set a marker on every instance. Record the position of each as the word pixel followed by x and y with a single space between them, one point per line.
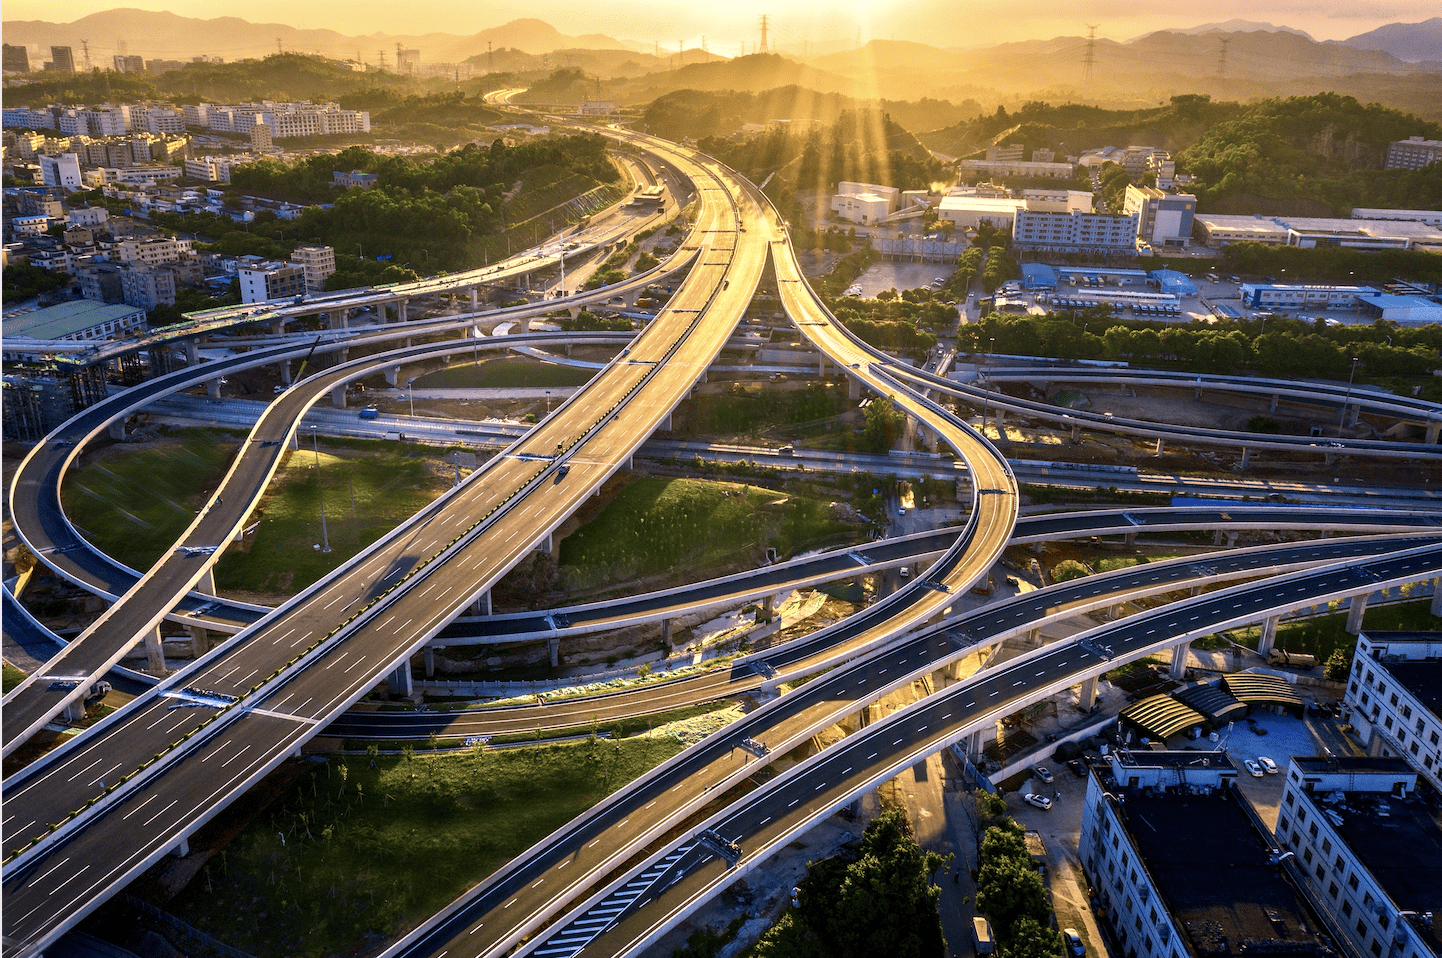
pixel 430 655
pixel 393 376
pixel 1246 457
pixel 74 710
pixel 523 325
pixel 545 544
pixel 481 605
pixel 277 327
pixel 1436 607
pixel 117 430
pixel 155 650
pixel 401 309
pixel 1000 733
pixel 554 647
pixel 285 377
pixel 821 367
pixel 1088 696
pixel 1076 433
pixel 212 388
pixel 1273 406
pixel 199 640
pixel 1130 538
pixel 1434 429
pixel 1197 391
pixel 1355 610
pixel 1268 640
pixel 400 681
pixel 1000 423
pixel 1161 447
pixel 666 632
pixel 1115 612
pixel 665 424
pixel 475 299
pixel 192 353
pixel 974 744
pixel 1354 413
pixel 1033 636
pixel 337 396
pixel 853 387
pixel 1216 537
pixel 182 849
pixel 1179 660
pixel 768 609
pixel 207 581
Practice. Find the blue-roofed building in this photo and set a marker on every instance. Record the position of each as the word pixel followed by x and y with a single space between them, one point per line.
pixel 1038 276
pixel 1412 310
pixel 1171 281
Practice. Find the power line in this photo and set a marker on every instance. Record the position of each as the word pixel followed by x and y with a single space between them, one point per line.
pixel 1091 55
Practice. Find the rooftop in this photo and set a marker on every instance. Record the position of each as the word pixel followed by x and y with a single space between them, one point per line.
pixel 1400 843
pixel 1173 758
pixel 1422 679
pixel 1353 764
pixel 1224 893
pixel 65 319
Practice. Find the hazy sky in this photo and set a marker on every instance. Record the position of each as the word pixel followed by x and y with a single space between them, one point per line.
pixel 939 22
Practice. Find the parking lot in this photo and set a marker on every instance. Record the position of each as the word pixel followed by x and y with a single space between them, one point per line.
pixel 899 276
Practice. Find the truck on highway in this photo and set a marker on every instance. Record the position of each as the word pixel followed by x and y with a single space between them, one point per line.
pixel 1296 660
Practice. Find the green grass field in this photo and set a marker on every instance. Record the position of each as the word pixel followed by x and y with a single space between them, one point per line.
pixel 685 525
pixel 505 374
pixel 135 503
pixel 12 677
pixel 370 851
pixel 390 484
pixel 1322 636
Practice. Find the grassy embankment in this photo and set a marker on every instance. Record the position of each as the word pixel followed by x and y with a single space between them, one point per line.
pixel 374 845
pixel 155 491
pixel 687 527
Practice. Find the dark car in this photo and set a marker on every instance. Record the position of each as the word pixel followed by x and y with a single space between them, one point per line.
pixel 1078 769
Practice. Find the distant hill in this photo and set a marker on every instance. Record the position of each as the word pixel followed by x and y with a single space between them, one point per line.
pixel 889 56
pixel 755 73
pixel 154 34
pixel 1413 42
pixel 1236 25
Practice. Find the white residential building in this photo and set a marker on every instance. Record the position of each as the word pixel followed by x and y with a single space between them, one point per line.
pixel 266 281
pixel 61 169
pixel 1071 232
pixel 1395 696
pixel 1367 838
pixel 318 262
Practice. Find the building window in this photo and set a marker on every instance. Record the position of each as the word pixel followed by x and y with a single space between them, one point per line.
pixel 1288 798
pixel 1347 908
pixel 1376 949
pixel 1307 855
pixel 1312 829
pixel 1326 846
pixel 1384 921
pixel 1361 927
pixel 1332 889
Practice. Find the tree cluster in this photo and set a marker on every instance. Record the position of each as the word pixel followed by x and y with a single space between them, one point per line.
pixel 880 902
pixel 1010 893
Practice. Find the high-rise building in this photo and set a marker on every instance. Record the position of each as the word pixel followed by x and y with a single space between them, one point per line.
pixel 129 64
pixel 1163 219
pixel 62 60
pixel 1395 696
pixel 270 281
pixel 318 263
pixel 260 138
pixel 17 59
pixel 62 170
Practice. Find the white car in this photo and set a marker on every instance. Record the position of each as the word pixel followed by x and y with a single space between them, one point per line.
pixel 1254 768
pixel 1040 801
pixel 1268 765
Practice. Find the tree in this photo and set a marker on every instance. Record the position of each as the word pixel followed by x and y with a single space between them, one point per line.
pixel 1339 663
pixel 1030 939
pixel 1008 890
pixel 884 424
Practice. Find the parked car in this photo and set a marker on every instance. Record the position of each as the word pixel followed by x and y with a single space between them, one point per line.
pixel 1255 769
pixel 1077 767
pixel 1074 946
pixel 1044 773
pixel 1040 801
pixel 1268 765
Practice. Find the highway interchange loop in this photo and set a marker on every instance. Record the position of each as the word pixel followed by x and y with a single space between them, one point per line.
pixel 273 685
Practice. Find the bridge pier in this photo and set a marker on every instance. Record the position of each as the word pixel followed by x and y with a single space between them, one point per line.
pixel 430 657
pixel 853 387
pixel 1268 639
pixel 821 367
pixel 199 640
pixel 212 388
pixel 546 544
pixel 1180 652
pixel 74 710
pixel 1088 695
pixel 666 632
pixel 665 424
pixel 155 651
pixel 1076 433
pixel 475 298
pixel 337 396
pixel 1246 458
pixel 1436 607
pixel 553 645
pixel 181 849
pixel 1273 406
pixel 401 309
pixel 1161 447
pixel 523 324
pixel 768 609
pixel 192 352
pixel 481 604
pixel 1354 412
pixel 284 367
pixel 1355 610
pixel 400 681
pixel 116 430
pixel 393 376
pixel 1033 637
pixel 1434 429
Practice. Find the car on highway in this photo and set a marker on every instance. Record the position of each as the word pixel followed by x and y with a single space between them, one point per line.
pixel 1040 801
pixel 1043 773
pixel 1074 946
pixel 1254 768
pixel 370 412
pixel 1268 765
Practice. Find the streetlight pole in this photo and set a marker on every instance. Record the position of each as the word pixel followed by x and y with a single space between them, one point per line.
pixel 1347 396
pixel 410 395
pixel 362 250
pixel 548 402
pixel 324 535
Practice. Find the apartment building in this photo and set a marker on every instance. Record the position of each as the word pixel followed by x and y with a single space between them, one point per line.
pixel 1163 219
pixel 1395 696
pixel 268 280
pixel 1413 153
pixel 153 251
pixel 318 262
pixel 1366 837
pixel 1073 232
